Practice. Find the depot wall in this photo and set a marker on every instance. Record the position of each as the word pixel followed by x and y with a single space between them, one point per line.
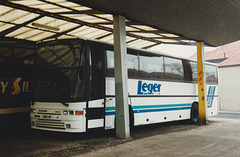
pixel 229 88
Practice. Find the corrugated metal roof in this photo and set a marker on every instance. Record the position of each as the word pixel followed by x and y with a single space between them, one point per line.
pixel 216 22
pixel 37 20
pixel 153 22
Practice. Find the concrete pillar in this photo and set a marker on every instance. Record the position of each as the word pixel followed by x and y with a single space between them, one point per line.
pixel 121 77
pixel 201 84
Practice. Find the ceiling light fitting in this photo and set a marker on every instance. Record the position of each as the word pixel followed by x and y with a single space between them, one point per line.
pixel 45 26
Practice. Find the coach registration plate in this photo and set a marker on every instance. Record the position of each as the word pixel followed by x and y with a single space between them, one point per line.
pixel 46 116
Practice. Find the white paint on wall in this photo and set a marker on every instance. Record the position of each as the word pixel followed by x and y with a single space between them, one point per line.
pixel 229 88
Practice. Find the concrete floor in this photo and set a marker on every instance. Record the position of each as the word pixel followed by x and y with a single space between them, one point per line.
pixel 220 138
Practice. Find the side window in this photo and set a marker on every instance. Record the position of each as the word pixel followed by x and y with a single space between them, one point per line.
pixel 151 67
pixel 96 72
pixel 187 70
pixel 110 63
pixel 211 73
pixel 194 70
pixel 173 69
pixel 132 65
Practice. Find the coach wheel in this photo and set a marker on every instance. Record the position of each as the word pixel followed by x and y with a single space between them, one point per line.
pixel 194 114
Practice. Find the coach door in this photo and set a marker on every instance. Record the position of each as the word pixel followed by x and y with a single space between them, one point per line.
pixel 96 104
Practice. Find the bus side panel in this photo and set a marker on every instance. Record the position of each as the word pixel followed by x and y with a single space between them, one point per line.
pixel 162 101
pixel 170 104
pixel 110 113
pixel 212 100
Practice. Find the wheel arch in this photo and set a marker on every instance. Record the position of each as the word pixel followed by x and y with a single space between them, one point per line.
pixel 194 114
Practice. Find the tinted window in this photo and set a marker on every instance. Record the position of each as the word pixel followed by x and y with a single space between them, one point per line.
pixel 60 71
pixel 151 67
pixel 187 70
pixel 194 71
pixel 60 54
pixel 96 72
pixel 173 69
pixel 110 63
pixel 211 73
pixel 132 65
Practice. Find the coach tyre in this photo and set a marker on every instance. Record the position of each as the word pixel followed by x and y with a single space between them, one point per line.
pixel 194 113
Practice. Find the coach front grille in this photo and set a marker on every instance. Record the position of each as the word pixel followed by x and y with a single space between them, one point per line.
pixel 46 123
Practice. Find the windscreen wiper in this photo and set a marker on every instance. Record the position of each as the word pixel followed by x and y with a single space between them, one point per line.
pixel 65 104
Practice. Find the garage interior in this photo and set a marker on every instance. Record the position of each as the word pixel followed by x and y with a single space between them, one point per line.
pixel 148 24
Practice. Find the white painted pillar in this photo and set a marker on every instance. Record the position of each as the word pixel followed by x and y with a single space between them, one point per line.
pixel 121 77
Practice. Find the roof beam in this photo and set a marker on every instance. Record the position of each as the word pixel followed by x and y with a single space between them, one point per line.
pixel 57 16
pixel 173 38
pixel 7 31
pixel 77 11
pixel 147 47
pixel 93 25
pixel 31 28
pixel 27 26
pixel 101 37
pixel 132 40
pixel 63 33
pixel 128 23
pixel 17 42
pixel 73 11
pixel 53 15
pixel 146 31
pixel 89 12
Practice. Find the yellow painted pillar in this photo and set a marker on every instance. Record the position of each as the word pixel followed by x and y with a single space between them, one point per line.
pixel 201 84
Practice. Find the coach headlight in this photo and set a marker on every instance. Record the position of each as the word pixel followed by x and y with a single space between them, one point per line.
pixel 33 110
pixel 65 112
